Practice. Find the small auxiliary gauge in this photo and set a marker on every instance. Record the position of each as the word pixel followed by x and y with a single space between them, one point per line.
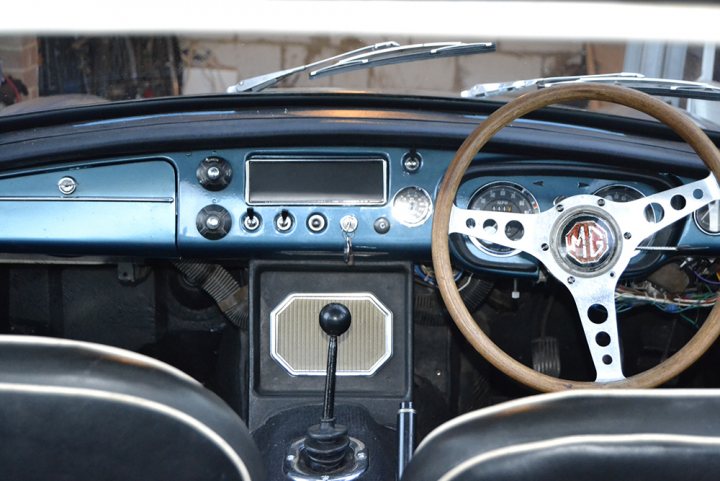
pixel 412 206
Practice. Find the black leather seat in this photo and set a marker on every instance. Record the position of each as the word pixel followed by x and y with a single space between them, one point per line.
pixel 589 435
pixel 80 411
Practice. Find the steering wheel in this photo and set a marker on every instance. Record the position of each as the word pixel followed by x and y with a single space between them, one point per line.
pixel 585 242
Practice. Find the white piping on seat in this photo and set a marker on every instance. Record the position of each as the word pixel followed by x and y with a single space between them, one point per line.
pixel 527 403
pixel 575 440
pixel 124 355
pixel 138 402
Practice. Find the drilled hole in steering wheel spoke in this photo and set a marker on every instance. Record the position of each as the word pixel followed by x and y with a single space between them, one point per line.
pixel 602 339
pixel 514 230
pixel 678 202
pixel 654 213
pixel 597 313
pixel 490 227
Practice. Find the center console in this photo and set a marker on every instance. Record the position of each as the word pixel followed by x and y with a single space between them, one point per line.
pixel 289 352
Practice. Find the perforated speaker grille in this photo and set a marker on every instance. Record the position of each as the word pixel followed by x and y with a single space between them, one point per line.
pixel 300 346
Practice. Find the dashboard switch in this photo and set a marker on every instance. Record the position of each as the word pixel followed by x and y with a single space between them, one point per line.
pixel 214 173
pixel 349 224
pixel 382 225
pixel 284 221
pixel 316 223
pixel 251 220
pixel 213 222
pixel 411 162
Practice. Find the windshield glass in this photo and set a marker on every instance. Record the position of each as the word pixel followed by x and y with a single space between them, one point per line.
pixel 39 72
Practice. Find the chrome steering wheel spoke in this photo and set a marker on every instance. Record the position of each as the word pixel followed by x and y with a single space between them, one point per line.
pixel 595 301
pixel 641 218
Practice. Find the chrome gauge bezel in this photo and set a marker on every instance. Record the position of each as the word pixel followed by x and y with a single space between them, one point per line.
pixel 702 229
pixel 404 221
pixel 523 191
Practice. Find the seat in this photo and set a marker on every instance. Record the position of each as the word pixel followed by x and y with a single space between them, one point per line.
pixel 581 435
pixel 78 411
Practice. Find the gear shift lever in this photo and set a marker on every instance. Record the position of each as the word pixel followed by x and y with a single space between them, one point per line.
pixel 326 452
pixel 327 444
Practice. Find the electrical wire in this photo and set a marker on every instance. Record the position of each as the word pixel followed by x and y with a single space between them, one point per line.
pixel 707 281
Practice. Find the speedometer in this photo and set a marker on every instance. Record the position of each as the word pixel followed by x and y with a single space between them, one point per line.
pixel 503 197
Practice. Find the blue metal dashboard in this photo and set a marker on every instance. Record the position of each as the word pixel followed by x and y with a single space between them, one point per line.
pixel 149 206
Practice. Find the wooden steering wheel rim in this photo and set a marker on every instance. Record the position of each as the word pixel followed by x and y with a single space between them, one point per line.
pixel 513 110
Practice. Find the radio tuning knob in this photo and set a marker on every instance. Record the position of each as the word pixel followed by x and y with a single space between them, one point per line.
pixel 214 173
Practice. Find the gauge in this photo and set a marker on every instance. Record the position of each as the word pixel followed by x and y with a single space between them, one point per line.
pixel 503 197
pixel 708 218
pixel 619 193
pixel 625 193
pixel 412 206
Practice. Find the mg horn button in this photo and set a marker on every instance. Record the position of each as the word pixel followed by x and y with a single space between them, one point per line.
pixel 587 241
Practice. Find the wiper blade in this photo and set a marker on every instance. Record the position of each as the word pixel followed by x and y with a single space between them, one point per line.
pixel 653 86
pixel 491 89
pixel 376 55
pixel 261 82
pixel 404 53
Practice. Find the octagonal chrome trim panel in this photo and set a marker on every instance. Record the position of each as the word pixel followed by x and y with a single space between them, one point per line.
pixel 342 297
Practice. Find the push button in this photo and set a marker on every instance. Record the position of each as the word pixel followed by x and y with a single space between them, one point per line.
pixel 316 223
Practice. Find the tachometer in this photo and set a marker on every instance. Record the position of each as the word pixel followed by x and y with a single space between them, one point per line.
pixel 625 193
pixel 619 193
pixel 502 197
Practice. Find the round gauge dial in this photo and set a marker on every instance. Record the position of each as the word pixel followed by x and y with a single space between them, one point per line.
pixel 412 206
pixel 502 197
pixel 625 193
pixel 619 193
pixel 708 218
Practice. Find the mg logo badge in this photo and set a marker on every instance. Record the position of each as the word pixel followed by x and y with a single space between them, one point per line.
pixel 587 242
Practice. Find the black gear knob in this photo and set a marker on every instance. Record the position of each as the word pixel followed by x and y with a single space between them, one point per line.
pixel 335 319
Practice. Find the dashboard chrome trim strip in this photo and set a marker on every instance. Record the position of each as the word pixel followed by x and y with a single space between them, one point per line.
pixel 157 200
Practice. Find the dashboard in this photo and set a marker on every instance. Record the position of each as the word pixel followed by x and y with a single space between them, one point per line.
pixel 310 202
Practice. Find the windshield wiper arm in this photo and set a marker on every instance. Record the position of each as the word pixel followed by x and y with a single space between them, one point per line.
pixel 653 86
pixel 261 82
pixel 384 53
pixel 490 89
pixel 404 53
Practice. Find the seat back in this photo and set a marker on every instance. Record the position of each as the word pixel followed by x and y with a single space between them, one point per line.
pixel 80 411
pixel 588 435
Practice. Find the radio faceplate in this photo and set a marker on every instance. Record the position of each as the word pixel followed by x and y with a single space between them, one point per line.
pixel 301 180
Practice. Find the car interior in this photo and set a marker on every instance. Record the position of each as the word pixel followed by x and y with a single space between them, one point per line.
pixel 337 285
